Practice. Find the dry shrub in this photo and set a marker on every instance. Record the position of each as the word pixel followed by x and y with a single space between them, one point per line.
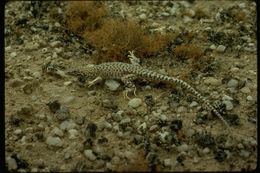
pixel 85 15
pixel 117 37
pixel 188 51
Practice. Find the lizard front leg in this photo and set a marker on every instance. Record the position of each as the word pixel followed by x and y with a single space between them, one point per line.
pixel 129 85
pixel 133 59
pixel 95 81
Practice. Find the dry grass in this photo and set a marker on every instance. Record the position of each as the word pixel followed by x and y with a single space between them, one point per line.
pixel 188 51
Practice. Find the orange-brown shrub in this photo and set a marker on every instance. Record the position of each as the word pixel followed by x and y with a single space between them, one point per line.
pixel 85 15
pixel 117 37
pixel 188 51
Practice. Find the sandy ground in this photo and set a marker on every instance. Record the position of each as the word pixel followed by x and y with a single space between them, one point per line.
pixel 95 129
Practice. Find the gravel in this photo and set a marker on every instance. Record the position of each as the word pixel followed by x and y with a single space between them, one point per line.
pixel 221 48
pixel 245 90
pixel 56 131
pixel 212 81
pixel 232 83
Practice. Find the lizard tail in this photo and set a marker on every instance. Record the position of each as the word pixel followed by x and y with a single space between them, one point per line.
pixel 161 77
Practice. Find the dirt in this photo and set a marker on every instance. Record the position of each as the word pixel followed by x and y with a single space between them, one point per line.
pixel 200 144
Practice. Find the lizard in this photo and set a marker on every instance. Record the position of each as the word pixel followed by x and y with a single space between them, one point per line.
pixel 127 72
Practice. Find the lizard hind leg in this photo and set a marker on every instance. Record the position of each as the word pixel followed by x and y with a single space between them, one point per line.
pixel 129 85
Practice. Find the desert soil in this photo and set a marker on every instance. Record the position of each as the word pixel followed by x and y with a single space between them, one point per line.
pixel 56 123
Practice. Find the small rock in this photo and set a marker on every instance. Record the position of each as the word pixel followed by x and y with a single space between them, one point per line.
pixel 89 155
pixel 181 109
pixel 233 83
pixel 212 81
pixel 54 141
pixel 67 125
pixel 125 120
pixel 193 104
pixel 167 162
pixel 55 43
pixel 18 131
pixel 31 46
pixel 112 85
pixel 117 116
pixel 249 98
pixel 142 127
pixel 183 148
pixel 73 134
pixel 245 90
pixel 206 150
pixel 12 164
pixel 212 47
pixel 229 105
pixel 244 153
pixel 13 54
pixel 57 131
pixel 165 14
pixel 92 93
pixel 135 102
pixel 69 99
pixel 153 128
pixel 173 10
pixel 221 48
pixel 226 97
pixel 67 83
pixel 143 16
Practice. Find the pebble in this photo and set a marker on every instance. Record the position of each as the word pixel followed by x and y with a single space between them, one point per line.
pixel 67 125
pixel 181 109
pixel 125 121
pixel 244 153
pixel 69 99
pixel 153 128
pixel 249 98
pixel 142 127
pixel 163 117
pixel 13 54
pixel 67 83
pixel 92 93
pixel 234 69
pixel 54 141
pixel 56 131
pixel 245 90
pixel 183 148
pixel 226 97
pixel 232 83
pixel 167 162
pixel 36 75
pixel 73 134
pixel 212 47
pixel 89 155
pixel 112 85
pixel 55 43
pixel 142 16
pixel 173 10
pixel 12 164
pixel 206 150
pixel 229 105
pixel 31 46
pixel 135 102
pixel 117 116
pixel 212 81
pixel 18 131
pixel 221 48
pixel 193 104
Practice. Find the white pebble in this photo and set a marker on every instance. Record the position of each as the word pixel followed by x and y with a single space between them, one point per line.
pixel 57 131
pixel 220 48
pixel 249 98
pixel 112 85
pixel 232 83
pixel 142 16
pixel 212 81
pixel 182 148
pixel 167 162
pixel 135 102
pixel 73 134
pixel 67 83
pixel 13 54
pixel 18 131
pixel 193 104
pixel 12 164
pixel 89 155
pixel 54 141
pixel 212 47
pixel 67 125
pixel 245 90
